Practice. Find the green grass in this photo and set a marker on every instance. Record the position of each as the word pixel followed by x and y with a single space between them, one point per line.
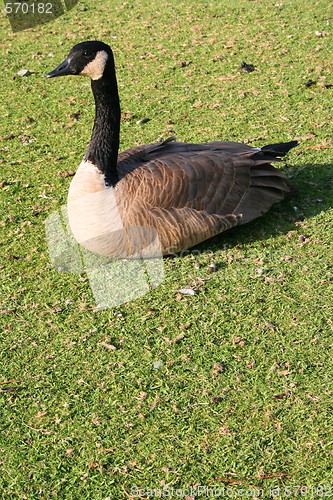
pixel 245 391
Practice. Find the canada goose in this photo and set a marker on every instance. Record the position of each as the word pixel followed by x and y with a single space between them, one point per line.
pixel 178 192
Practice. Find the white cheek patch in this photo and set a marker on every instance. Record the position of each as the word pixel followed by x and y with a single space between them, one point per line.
pixel 95 68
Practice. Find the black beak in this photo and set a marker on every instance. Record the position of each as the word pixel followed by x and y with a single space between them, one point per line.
pixel 63 69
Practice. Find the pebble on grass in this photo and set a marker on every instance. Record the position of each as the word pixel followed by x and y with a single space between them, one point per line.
pixel 24 72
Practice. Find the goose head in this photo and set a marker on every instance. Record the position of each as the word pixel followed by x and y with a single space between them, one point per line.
pixel 87 59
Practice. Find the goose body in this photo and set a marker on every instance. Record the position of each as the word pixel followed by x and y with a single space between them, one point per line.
pixel 167 196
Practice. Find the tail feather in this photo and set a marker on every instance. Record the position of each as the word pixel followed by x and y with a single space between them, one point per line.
pixel 281 148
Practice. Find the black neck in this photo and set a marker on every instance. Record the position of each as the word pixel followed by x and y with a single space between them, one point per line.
pixel 104 143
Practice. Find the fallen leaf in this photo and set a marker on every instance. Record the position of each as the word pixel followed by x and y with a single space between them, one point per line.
pixel 9 137
pixel 185 325
pixel 184 64
pixel 16 257
pixel 217 368
pixel 127 116
pixel 177 339
pixel 284 372
pixel 309 83
pixel 93 464
pixel 65 173
pixel 224 430
pixel 280 396
pixel 216 399
pixel 270 326
pixel 10 389
pixel 107 345
pixel 313 398
pixel 41 414
pixel 237 340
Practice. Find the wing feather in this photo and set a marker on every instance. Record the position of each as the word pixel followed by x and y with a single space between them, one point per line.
pixel 191 192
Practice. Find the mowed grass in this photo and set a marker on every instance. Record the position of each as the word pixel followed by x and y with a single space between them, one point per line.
pixel 233 383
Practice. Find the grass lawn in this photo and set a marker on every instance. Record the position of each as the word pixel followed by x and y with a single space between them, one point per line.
pixel 231 387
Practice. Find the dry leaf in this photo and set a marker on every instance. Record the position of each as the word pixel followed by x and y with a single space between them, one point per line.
pixel 313 398
pixel 216 399
pixel 217 368
pixel 107 345
pixel 177 339
pixel 93 464
pixel 65 173
pixel 224 430
pixel 154 403
pixel 237 340
pixel 142 395
pixel 284 372
pixel 280 396
pixel 127 116
pixel 270 326
pixel 185 325
pixel 41 414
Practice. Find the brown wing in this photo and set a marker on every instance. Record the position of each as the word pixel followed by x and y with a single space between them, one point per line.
pixel 191 192
pixel 214 180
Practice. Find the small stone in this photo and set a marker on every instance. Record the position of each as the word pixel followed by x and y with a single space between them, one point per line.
pixel 187 291
pixel 260 270
pixel 157 365
pixel 24 72
pixel 302 237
